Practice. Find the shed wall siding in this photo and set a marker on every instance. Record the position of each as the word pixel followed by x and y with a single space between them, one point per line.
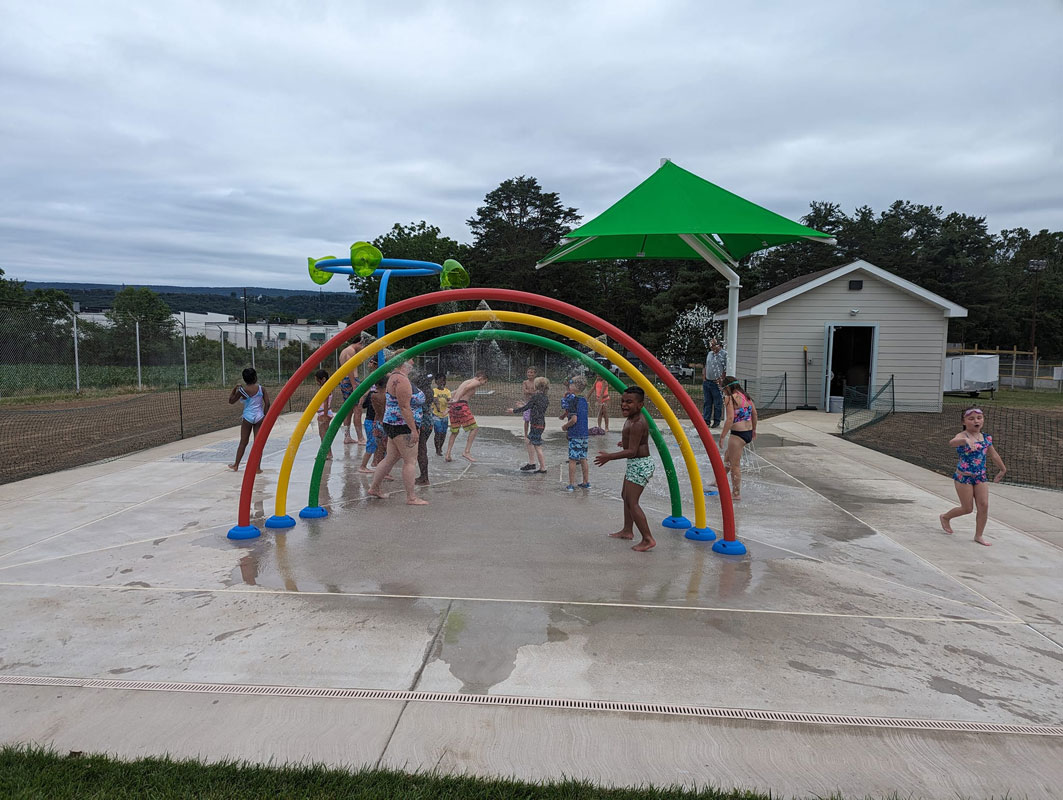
pixel 911 339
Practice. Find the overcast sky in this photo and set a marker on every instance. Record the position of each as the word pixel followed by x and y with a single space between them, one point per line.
pixel 221 143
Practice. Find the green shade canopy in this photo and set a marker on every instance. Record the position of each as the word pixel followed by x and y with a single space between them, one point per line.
pixel 649 221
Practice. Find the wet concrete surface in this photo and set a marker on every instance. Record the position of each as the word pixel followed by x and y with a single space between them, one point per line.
pixel 848 602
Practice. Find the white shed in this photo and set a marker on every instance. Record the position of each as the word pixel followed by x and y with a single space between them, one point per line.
pixel 860 325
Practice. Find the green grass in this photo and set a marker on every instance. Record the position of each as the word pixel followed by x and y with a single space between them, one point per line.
pixel 36 773
pixel 1012 398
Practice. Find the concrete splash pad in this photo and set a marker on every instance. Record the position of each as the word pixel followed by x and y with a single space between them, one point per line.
pixel 848 603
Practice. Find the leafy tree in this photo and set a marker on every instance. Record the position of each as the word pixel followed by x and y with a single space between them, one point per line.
pixel 517 225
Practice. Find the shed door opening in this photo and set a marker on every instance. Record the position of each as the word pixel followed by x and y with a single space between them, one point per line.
pixel 850 349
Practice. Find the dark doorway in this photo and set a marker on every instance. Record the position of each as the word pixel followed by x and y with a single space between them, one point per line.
pixel 850 362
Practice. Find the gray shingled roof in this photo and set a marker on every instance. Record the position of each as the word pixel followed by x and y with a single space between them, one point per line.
pixel 782 288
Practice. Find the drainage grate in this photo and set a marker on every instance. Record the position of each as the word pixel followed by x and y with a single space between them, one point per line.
pixel 538 702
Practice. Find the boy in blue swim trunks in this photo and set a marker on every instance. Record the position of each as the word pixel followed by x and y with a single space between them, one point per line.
pixel 636 449
pixel 576 426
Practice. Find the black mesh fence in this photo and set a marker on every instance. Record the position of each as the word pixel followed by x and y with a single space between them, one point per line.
pixel 1029 440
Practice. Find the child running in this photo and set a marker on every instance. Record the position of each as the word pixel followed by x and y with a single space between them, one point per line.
pixel 636 449
pixel 256 404
pixel 461 418
pixel 601 395
pixel 534 410
pixel 441 411
pixel 576 426
pixel 971 478
pixel 325 412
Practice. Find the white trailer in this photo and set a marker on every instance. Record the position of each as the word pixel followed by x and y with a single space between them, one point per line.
pixel 972 374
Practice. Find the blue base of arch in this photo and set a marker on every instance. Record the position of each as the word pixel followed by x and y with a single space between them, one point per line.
pixel 313 512
pixel 701 534
pixel 677 523
pixel 711 493
pixel 244 532
pixel 280 522
pixel 735 548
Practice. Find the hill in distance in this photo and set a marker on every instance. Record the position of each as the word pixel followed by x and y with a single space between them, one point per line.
pixel 252 291
pixel 281 305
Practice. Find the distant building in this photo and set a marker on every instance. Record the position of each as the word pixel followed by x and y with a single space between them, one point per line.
pixel 259 333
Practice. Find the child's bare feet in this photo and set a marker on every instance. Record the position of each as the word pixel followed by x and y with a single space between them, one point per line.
pixel 622 535
pixel 348 440
pixel 416 501
pixel 376 493
pixel 447 458
pixel 644 545
pixel 328 456
pixel 234 467
pixel 365 470
pixel 467 457
pixel 945 526
pixel 982 541
pixel 258 471
pixel 389 477
pixel 420 481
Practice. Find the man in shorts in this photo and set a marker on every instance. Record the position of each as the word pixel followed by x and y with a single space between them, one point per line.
pixel 347 389
pixel 461 418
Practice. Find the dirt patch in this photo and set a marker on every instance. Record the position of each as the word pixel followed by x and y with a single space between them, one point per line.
pixel 1030 442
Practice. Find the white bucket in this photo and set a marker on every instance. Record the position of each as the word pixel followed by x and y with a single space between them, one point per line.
pixel 835 406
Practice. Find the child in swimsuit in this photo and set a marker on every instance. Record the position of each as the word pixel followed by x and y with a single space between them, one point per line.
pixel 256 404
pixel 441 412
pixel 971 476
pixel 636 449
pixel 576 427
pixel 740 420
pixel 534 412
pixel 325 412
pixel 601 395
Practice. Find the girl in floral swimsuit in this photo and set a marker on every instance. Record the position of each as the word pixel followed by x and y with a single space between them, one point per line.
pixel 971 477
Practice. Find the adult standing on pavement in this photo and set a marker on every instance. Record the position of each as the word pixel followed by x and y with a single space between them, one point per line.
pixel 347 389
pixel 715 368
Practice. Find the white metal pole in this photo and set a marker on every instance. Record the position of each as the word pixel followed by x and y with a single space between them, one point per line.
pixel 221 334
pixel 278 362
pixel 136 324
pixel 77 365
pixel 184 342
pixel 252 358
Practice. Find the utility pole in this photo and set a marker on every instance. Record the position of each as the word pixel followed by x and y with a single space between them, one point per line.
pixel 1035 267
pixel 246 345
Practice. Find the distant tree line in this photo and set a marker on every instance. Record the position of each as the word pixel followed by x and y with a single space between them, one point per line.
pixel 951 254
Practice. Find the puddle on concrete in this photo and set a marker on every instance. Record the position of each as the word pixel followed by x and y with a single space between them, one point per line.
pixel 774 440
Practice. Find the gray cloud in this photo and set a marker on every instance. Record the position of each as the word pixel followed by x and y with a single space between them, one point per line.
pixel 207 143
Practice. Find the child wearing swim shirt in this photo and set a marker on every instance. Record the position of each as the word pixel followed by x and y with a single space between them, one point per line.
pixel 441 412
pixel 971 477
pixel 534 412
pixel 636 449
pixel 576 426
pixel 256 404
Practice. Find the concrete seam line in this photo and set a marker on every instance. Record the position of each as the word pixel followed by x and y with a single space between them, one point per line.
pixel 521 601
pixel 670 709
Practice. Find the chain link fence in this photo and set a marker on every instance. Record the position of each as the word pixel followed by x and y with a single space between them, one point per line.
pixel 1029 440
pixel 49 358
